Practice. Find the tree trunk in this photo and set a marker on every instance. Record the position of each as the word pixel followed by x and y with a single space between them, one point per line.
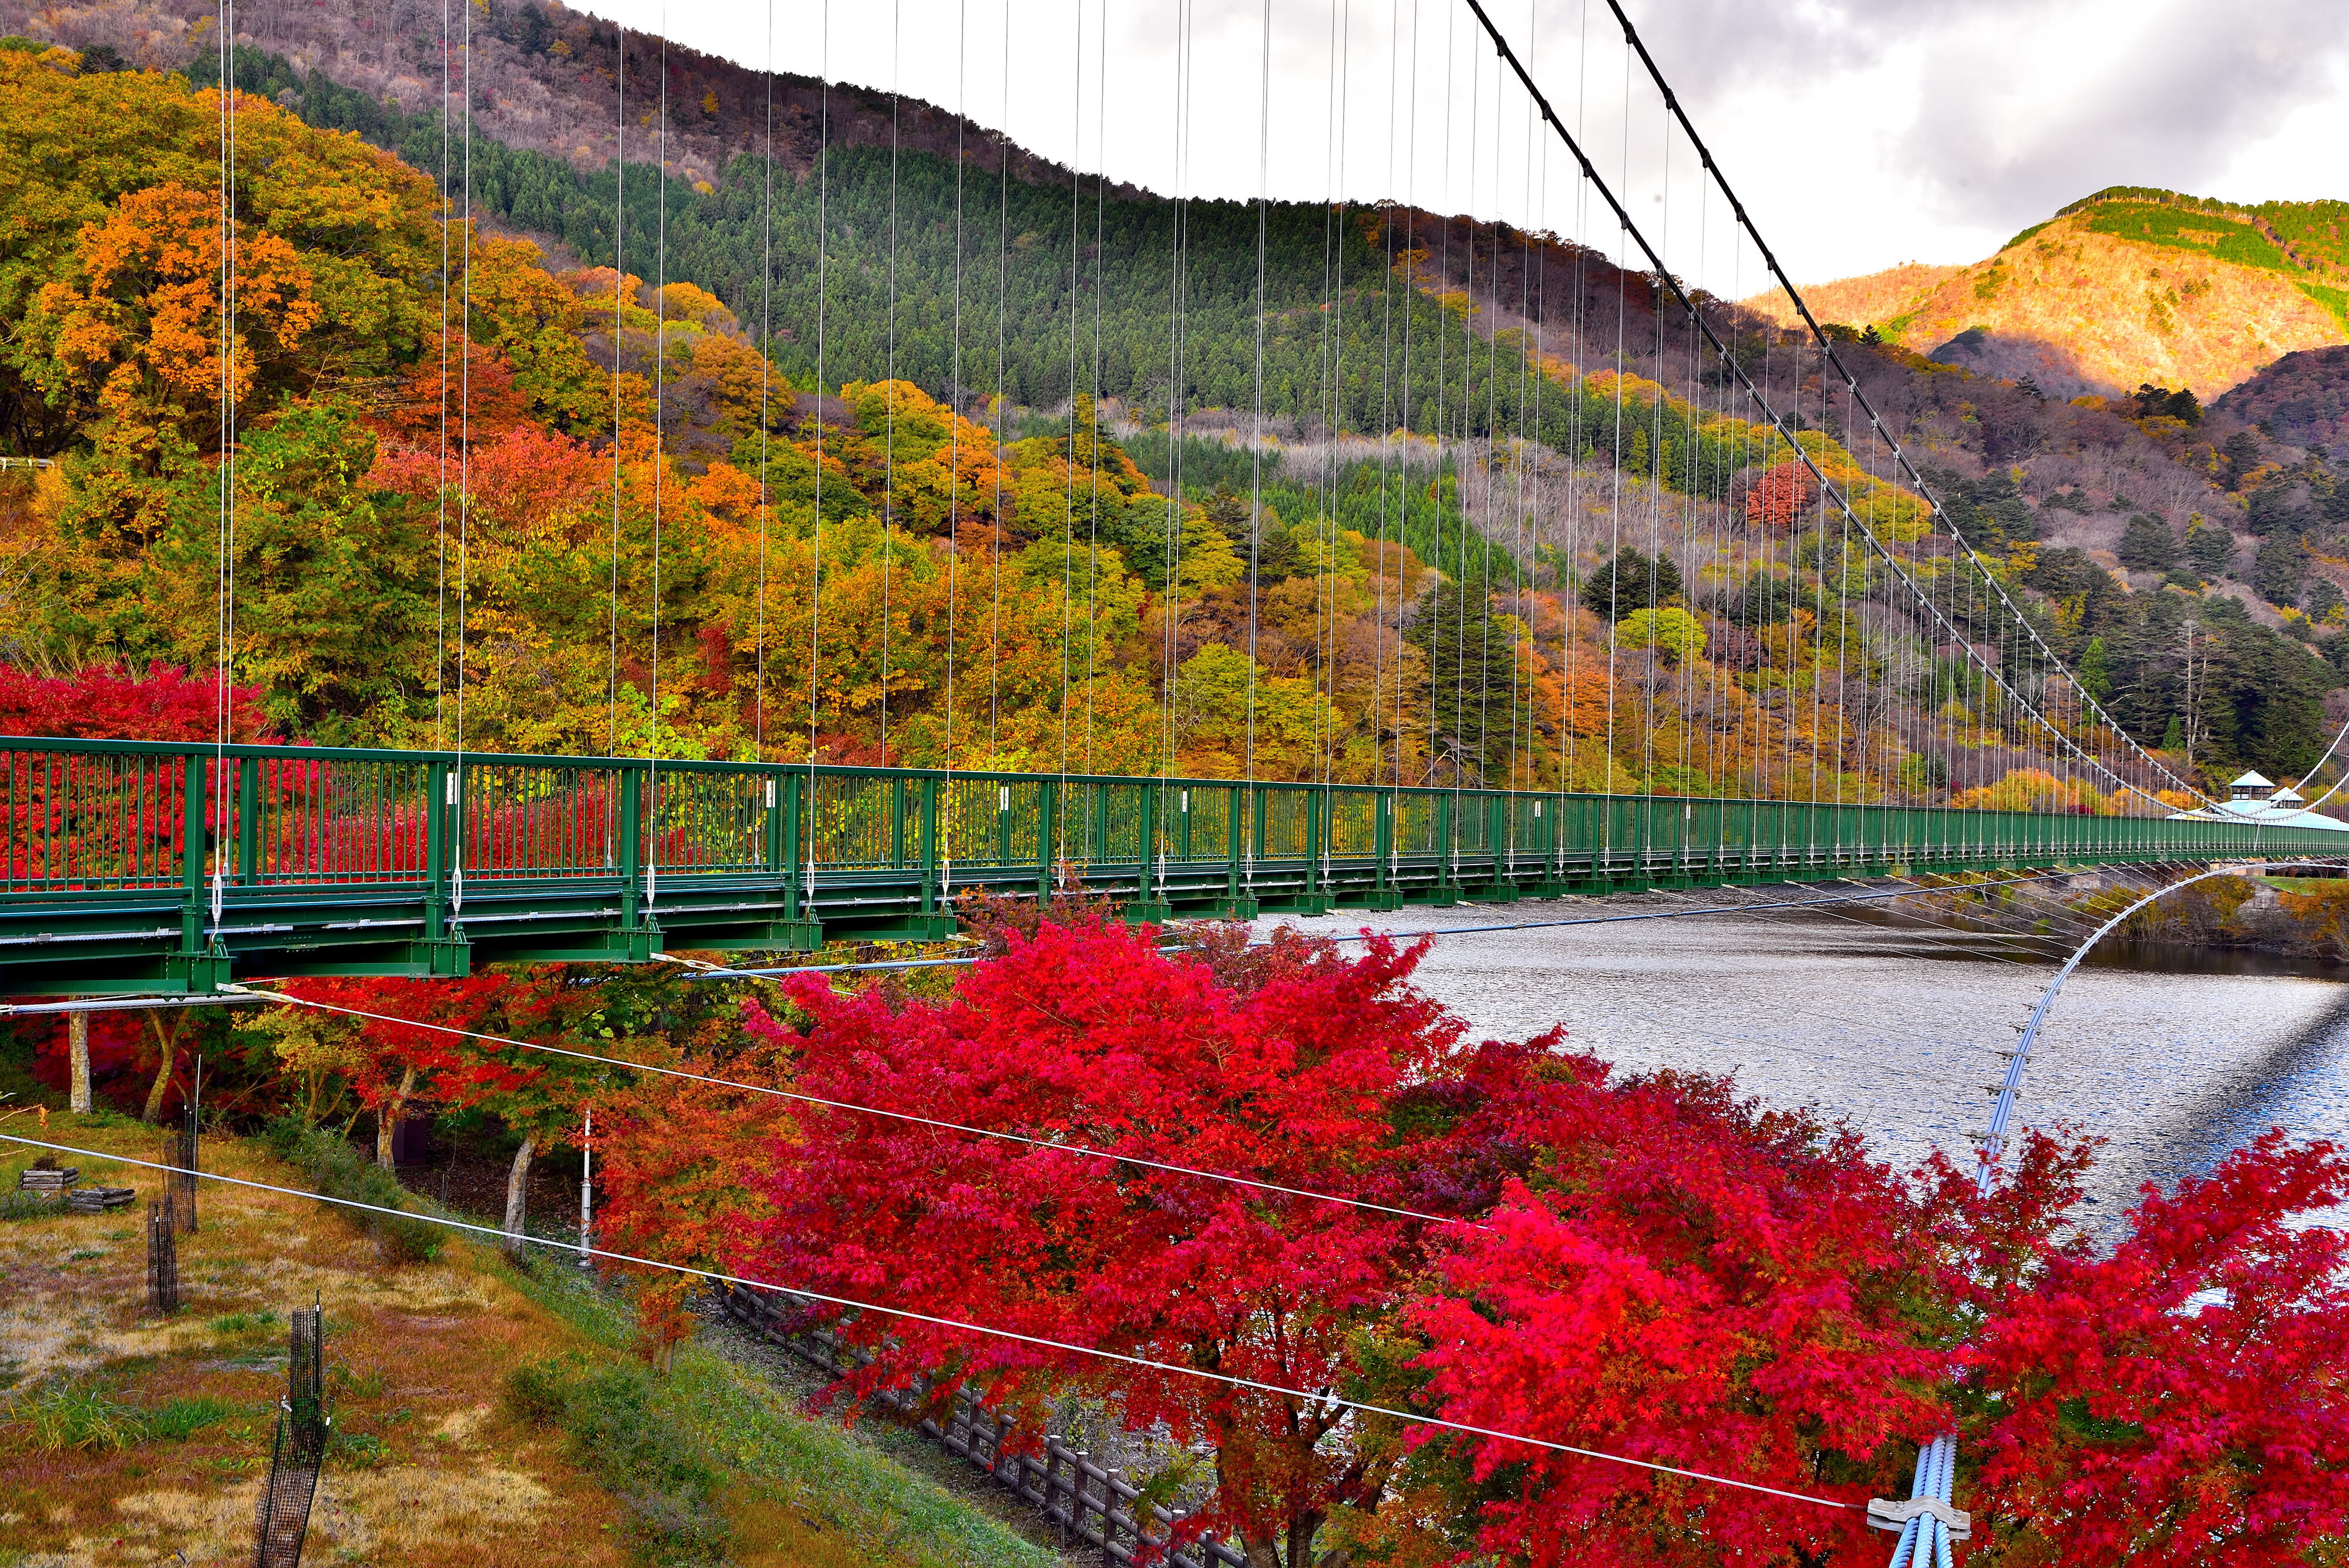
pixel 168 1044
pixel 388 1115
pixel 517 1182
pixel 78 1035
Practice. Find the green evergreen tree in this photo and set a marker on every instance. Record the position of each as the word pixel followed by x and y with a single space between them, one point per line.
pixel 1477 701
pixel 2096 678
pixel 2148 545
pixel 1628 581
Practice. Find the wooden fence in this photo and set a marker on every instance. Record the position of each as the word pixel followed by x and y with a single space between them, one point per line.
pixel 1061 1483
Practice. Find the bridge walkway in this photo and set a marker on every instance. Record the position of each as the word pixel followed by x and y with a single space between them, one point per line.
pixel 148 867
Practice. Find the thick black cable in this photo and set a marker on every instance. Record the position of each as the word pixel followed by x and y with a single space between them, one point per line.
pixel 1827 347
pixel 1754 392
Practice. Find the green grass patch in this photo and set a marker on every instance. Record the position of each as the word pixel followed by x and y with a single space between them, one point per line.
pixel 356 1450
pixel 338 1170
pixel 2304 884
pixel 621 1432
pixel 246 1322
pixel 720 1432
pixel 80 1418
pixel 183 1418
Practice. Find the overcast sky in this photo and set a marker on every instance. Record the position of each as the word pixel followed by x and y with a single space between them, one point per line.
pixel 1860 133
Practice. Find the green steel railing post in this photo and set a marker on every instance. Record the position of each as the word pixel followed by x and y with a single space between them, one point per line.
pixel 439 781
pixel 771 845
pixel 1147 849
pixel 1047 834
pixel 248 820
pixel 1382 836
pixel 191 854
pixel 1258 799
pixel 896 824
pixel 1313 801
pixel 929 842
pixel 792 795
pixel 1235 799
pixel 632 846
pixel 1444 846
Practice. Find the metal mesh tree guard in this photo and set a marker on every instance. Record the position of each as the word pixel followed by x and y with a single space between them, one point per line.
pixel 180 1153
pixel 300 1451
pixel 162 1258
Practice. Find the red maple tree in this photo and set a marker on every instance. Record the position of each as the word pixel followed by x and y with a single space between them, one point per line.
pixel 1283 1069
pixel 2185 1398
pixel 1779 495
pixel 1652 1267
pixel 109 702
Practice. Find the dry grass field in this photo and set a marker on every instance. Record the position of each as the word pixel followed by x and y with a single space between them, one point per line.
pixel 132 1439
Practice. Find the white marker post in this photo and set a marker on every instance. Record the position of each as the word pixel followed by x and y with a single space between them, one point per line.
pixel 586 1200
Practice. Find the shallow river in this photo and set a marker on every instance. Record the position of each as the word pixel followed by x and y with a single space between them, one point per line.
pixel 2173 1058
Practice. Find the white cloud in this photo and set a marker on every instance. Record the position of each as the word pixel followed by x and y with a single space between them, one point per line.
pixel 1860 132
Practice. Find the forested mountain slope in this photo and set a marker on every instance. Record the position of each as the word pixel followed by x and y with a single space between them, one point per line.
pixel 2124 287
pixel 1119 631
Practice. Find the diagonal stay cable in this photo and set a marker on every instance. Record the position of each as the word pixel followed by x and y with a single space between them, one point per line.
pixel 1323 1398
pixel 1667 283
pixel 1827 344
pixel 906 1117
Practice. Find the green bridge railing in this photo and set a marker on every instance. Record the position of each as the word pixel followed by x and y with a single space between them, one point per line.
pixel 141 865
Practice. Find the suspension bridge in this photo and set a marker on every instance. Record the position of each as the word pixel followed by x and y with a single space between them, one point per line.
pixel 149 867
pixel 1884 644
pixel 1878 685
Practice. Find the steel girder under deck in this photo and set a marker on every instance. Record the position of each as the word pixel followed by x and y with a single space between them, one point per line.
pixel 161 867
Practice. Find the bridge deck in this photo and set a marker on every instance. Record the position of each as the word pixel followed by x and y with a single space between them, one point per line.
pixel 152 866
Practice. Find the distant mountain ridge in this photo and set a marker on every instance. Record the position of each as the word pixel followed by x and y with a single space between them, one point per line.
pixel 2129 285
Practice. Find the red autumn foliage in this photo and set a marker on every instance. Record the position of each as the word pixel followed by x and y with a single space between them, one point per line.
pixel 1084 1033
pixel 1664 1272
pixel 1778 496
pixel 108 702
pixel 443 1067
pixel 684 1166
pixel 117 1041
pixel 457 385
pixel 2126 1417
pixel 1682 1279
pixel 519 478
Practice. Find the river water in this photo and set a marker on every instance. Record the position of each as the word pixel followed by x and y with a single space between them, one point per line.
pixel 2173 1056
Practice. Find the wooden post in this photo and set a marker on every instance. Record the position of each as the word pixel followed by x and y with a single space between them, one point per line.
pixel 77 1035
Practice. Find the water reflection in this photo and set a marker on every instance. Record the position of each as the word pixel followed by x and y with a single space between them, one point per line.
pixel 2173 1056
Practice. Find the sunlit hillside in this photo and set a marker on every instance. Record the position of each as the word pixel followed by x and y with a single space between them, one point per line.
pixel 2124 288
